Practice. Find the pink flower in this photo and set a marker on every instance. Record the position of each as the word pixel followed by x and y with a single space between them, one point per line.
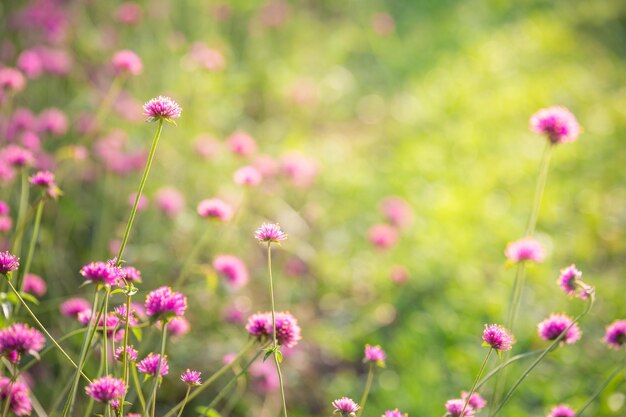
pixel 170 201
pixel 190 377
pixel 131 354
pixel 497 337
pixel 162 108
pixel 6 223
pixel 454 408
pixel 73 306
pixel 178 326
pixel 131 274
pixel 345 406
pixel 20 396
pixel 17 156
pixel 397 211
pixel 476 401
pixel 394 413
pixel 552 327
pixel 299 169
pixel 208 58
pixel 34 284
pixel 18 339
pixel 269 233
pixel 241 143
pixel 375 355
pixel 287 329
pixel 11 80
pixel 5 209
pixel 214 208
pixel 127 62
pixel 30 63
pixel 526 249
pixel 150 365
pixel 141 205
pixel 8 262
pixel 101 273
pixel 232 269
pixel 382 236
pixel 106 389
pixel 53 121
pixel 264 377
pixel 557 123
pixel 399 274
pixel 562 410
pixel 615 335
pixel 128 13
pixel 206 147
pixel 165 303
pixel 383 24
pixel 247 176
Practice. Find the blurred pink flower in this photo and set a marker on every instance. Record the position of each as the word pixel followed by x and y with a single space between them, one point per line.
pixel 525 249
pixel 397 211
pixel 206 147
pixel 170 201
pixel 399 274
pixel 11 80
pixel 129 13
pixel 299 169
pixel 141 205
pixel 53 121
pixel 34 284
pixel 383 23
pixel 208 58
pixel 127 62
pixel 247 176
pixel 382 236
pixel 29 61
pixel 241 143
pixel 214 208
pixel 232 269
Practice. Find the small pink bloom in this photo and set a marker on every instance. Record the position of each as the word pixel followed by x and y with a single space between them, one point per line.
pixel 178 326
pixel 397 211
pixel 557 123
pixel 241 143
pixel 30 63
pixel 127 62
pixel 399 274
pixel 383 24
pixel 382 236
pixel 73 306
pixel 53 121
pixel 170 201
pixel 299 169
pixel 34 284
pixel 11 80
pixel 129 13
pixel 190 377
pixel 264 376
pixel 526 249
pixel 214 208
pixel 247 176
pixel 142 204
pixel 206 147
pixel 375 355
pixel 232 269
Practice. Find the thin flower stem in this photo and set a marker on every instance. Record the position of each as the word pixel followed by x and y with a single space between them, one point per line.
pixel 9 390
pixel 41 326
pixel 541 185
pixel 157 376
pixel 16 248
pixel 274 340
pixel 601 388
pixel 109 98
pixel 191 258
pixel 33 361
pixel 212 378
pixel 366 391
pixel 142 400
pixel 480 372
pixel 125 358
pixel 180 413
pixel 543 354
pixel 31 248
pixel 105 336
pixel 504 365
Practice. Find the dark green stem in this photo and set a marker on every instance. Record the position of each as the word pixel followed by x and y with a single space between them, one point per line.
pixel 366 391
pixel 157 376
pixel 601 388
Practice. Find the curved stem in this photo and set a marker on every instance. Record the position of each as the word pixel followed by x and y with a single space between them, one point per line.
pixel 601 388
pixel 31 247
pixel 180 413
pixel 33 361
pixel 480 372
pixel 157 376
pixel 366 391
pixel 504 365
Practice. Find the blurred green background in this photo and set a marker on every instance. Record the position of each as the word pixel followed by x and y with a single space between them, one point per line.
pixel 425 100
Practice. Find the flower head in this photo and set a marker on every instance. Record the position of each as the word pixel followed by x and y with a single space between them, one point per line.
pixel 163 303
pixel 241 143
pixel 397 211
pixel 557 123
pixel 73 306
pixel 615 335
pixel 106 389
pixel 497 337
pixel 170 201
pixel 476 401
pixel 162 108
pixel 150 365
pixel 562 410
pixel 131 274
pixel 552 327
pixel 269 233
pixel 526 249
pixel 233 269
pixel 345 406
pixel 20 396
pixel 178 326
pixel 248 176
pixel 214 208
pixel 382 236
pixel 454 408
pixel 8 262
pixel 131 353
pixel 42 179
pixel 34 284
pixel 103 273
pixel 287 329
pixel 568 278
pixel 394 413
pixel 18 339
pixel 190 377
pixel 375 354
pixel 16 156
pixel 127 62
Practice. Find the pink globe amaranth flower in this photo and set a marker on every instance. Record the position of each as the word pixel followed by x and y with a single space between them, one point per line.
pixel 557 123
pixel 274 13
pixel 287 330
pixel 269 233
pixel 241 143
pixel 382 236
pixel 190 377
pixel 131 274
pixel 229 358
pixel 55 61
pixel 345 406
pixel 53 121
pixel 170 201
pixel 526 249
pixel 234 314
pixel 7 173
pixel 562 410
pixel 106 389
pixel 21 120
pixel 131 354
pixel 247 176
pixel 129 13
pixel 163 303
pixel 383 23
pixel 206 147
pixel 30 63
pixel 162 108
pixel 266 165
pixel 232 269
pixel 476 401
pixel 497 337
pixel 300 170
pixel 6 224
pixel 16 156
pixel 150 365
pixel 84 316
pixel 42 179
pixel 5 209
pixel 8 262
pixel 127 62
pixel 19 393
pixel 264 377
pixel 454 408
pixel 570 282
pixel 399 274
pixel 11 80
pixel 31 141
pixel 214 208
pixel 394 413
pixel 552 327
pixel 18 339
pixel 178 326
pixel 141 205
pixel 120 310
pixel 615 335
pixel 397 211
pixel 73 306
pixel 259 325
pixel 34 284
pixel 375 355
pixel 101 273
pixel 112 322
pixel 210 59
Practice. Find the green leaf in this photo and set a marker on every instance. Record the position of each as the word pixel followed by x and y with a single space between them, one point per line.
pixel 208 412
pixel 279 356
pixel 117 291
pixel 138 333
pixel 29 297
pixel 267 355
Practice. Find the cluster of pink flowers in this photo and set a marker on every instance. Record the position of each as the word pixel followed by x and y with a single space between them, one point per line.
pixel 106 389
pixel 152 364
pixel 19 393
pixel 19 339
pixel 287 330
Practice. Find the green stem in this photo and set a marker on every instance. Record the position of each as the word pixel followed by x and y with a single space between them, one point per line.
pixel 480 372
pixel 504 365
pixel 21 212
pixel 193 255
pixel 541 185
pixel 543 354
pixel 212 379
pixel 31 248
pixel 105 336
pixel 105 104
pixel 366 391
pixel 180 413
pixel 124 347
pixel 601 388
pixel 142 400
pixel 157 376
pixel 9 391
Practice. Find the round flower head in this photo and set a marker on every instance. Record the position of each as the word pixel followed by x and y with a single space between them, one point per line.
pixel 170 201
pixel 345 406
pixel 150 365
pixel 42 179
pixel 131 354
pixel 557 123
pixel 562 410
pixel 477 402
pixel 269 233
pixel 526 249
pixel 34 284
pixel 454 408
pixel 11 80
pixel 18 339
pixel 106 389
pixel 53 121
pixel 233 269
pixel 8 262
pixel 127 62
pixel 214 208
pixel 567 279
pixel 73 306
pixel 375 355
pixel 287 330
pixel 394 413
pixel 20 396
pixel 259 325
pixel 397 211
pixel 497 337
pixel 102 273
pixel 382 236
pixel 248 176
pixel 5 210
pixel 142 204
pixel 552 327
pixel 178 326
pixel 17 157
pixel 131 274
pixel 162 108
pixel 615 335
pixel 241 143
pixel 163 303
pixel 190 377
